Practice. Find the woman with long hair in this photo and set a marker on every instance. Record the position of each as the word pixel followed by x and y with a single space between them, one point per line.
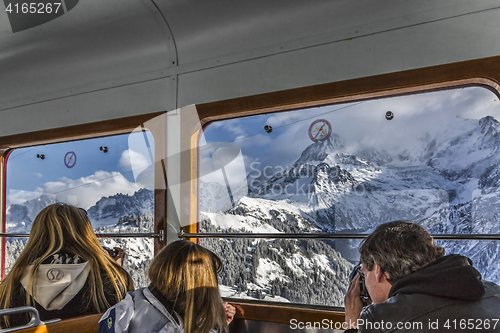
pixel 63 271
pixel 183 296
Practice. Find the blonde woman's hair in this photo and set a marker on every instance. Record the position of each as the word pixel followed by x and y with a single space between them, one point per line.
pixel 186 275
pixel 65 228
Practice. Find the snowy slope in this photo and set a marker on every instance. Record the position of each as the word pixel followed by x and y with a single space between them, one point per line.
pixel 301 271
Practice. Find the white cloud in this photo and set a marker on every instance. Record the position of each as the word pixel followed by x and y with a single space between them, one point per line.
pixel 216 124
pixel 234 169
pixel 133 161
pixel 86 190
pixel 221 155
pixel 255 141
pixel 18 197
pixel 231 125
pixel 280 119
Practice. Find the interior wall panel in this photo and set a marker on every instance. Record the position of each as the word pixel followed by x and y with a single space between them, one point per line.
pixel 462 38
pixel 130 100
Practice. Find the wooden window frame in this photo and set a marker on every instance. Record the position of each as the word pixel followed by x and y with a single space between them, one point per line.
pixel 83 132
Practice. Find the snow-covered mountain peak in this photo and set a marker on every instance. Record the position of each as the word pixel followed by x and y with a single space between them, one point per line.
pixel 487 134
pixel 463 149
pixel 488 125
pixel 320 150
pixel 34 206
pixel 118 205
pixel 17 219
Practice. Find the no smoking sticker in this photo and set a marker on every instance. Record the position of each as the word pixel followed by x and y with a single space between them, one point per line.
pixel 70 159
pixel 320 130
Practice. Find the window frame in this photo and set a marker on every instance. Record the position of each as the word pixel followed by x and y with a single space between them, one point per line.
pixel 77 133
pixel 482 72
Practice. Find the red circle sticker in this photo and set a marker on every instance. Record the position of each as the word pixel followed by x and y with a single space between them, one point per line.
pixel 320 130
pixel 70 159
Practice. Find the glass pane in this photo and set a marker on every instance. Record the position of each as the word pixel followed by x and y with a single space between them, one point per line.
pixel 306 271
pixel 429 158
pixel 484 255
pixel 104 176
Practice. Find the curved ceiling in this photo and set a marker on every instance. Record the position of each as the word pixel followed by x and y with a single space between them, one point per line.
pixel 98 44
pixel 104 44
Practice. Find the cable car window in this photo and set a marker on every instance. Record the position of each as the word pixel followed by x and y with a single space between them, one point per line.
pixel 102 176
pixel 432 158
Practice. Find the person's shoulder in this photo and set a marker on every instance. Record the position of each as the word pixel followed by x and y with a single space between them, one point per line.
pixel 491 293
pixel 491 287
pixel 116 319
pixel 403 306
pixel 107 323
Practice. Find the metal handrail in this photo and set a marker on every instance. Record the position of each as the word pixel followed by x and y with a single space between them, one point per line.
pixel 34 320
pixel 494 237
pixel 159 235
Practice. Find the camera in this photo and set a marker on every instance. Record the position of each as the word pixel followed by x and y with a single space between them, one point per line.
pixel 113 253
pixel 362 287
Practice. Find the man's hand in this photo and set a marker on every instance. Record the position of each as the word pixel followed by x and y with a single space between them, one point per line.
pixel 230 312
pixel 353 304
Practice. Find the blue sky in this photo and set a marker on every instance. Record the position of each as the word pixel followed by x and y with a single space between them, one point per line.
pixel 94 173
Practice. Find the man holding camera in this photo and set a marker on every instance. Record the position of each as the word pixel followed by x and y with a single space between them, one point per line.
pixel 414 287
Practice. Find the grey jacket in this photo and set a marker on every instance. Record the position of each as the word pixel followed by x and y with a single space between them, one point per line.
pixel 140 312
